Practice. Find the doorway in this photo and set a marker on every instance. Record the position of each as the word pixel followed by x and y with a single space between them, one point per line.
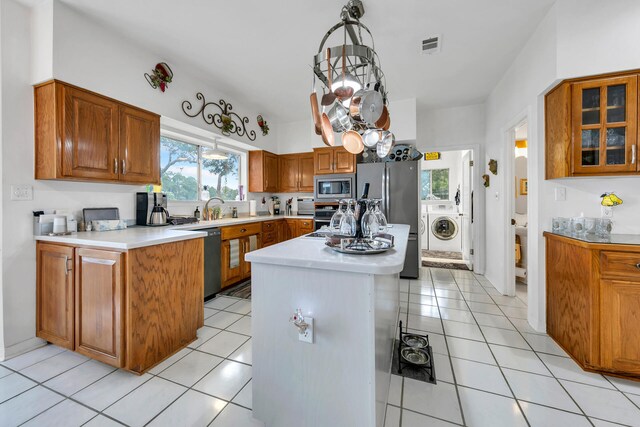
pixel 446 200
pixel 519 209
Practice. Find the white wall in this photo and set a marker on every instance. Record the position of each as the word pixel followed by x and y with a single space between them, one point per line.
pixel 520 170
pixel 87 55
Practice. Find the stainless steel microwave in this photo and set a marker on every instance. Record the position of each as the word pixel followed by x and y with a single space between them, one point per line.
pixel 334 187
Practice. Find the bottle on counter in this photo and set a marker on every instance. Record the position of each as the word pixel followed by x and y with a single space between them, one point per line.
pixel 234 212
pixel 196 213
pixel 361 208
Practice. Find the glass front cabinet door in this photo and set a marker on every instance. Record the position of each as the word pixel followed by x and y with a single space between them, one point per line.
pixel 605 126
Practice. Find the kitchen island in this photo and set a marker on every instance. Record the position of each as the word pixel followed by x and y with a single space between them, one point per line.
pixel 129 298
pixel 342 377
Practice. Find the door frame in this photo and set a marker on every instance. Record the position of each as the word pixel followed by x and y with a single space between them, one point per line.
pixel 509 203
pixel 478 200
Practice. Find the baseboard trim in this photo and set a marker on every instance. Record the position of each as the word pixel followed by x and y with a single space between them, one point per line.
pixel 21 348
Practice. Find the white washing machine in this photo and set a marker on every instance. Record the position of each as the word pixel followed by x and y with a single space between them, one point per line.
pixel 445 233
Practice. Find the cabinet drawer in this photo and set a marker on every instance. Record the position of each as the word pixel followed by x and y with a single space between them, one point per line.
pixel 235 231
pixel 620 264
pixel 269 226
pixel 305 224
pixel 269 237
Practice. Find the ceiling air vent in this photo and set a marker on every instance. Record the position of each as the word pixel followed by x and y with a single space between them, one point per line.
pixel 431 45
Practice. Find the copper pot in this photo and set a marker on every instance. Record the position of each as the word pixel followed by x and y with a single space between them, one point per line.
pixel 315 112
pixel 382 120
pixel 352 142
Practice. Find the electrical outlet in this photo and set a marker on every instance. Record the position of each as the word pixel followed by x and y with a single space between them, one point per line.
pixel 307 335
pixel 560 194
pixel 21 192
pixel 606 211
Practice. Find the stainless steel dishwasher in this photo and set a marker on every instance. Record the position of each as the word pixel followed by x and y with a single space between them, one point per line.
pixel 212 279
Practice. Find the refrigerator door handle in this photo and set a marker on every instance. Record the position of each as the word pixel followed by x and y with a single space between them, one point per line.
pixel 386 192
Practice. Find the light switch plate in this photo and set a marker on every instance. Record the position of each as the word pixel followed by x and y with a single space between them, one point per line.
pixel 307 336
pixel 21 192
pixel 560 194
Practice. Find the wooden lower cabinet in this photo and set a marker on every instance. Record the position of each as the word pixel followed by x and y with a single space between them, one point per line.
pixel 593 303
pixel 297 227
pixel 99 305
pixel 620 325
pixel 130 309
pixel 236 243
pixel 231 265
pixel 55 294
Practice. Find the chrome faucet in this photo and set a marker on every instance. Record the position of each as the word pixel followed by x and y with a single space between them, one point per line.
pixel 205 214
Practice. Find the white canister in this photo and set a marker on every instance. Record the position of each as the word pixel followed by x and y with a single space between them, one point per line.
pixel 60 224
pixel 252 208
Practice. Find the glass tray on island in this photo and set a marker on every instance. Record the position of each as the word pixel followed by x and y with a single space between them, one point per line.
pixel 360 245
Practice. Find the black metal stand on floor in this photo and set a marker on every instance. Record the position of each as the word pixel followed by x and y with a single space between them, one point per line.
pixel 402 363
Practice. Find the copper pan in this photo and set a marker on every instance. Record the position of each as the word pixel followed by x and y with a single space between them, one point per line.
pixel 352 142
pixel 327 131
pixel 315 112
pixel 387 124
pixel 383 118
pixel 330 97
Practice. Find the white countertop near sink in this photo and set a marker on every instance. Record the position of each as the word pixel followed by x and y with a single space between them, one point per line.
pixel 310 252
pixel 138 237
pixel 131 238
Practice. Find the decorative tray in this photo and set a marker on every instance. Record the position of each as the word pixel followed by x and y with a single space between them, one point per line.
pixel 360 246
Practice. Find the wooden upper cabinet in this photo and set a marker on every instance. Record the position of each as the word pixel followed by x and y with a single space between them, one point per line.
pixel 263 172
pixel 139 150
pixel 604 125
pixel 99 300
pixel 306 172
pixel 89 135
pixel 329 160
pixel 54 294
pixel 81 135
pixel 289 173
pixel 591 127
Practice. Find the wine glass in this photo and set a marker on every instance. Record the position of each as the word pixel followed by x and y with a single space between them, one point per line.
pixel 334 225
pixel 370 224
pixel 348 221
pixel 382 220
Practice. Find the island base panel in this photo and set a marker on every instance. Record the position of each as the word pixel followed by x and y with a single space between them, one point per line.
pixel 342 379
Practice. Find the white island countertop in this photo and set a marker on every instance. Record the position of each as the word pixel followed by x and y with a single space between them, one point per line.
pixel 310 252
pixel 141 236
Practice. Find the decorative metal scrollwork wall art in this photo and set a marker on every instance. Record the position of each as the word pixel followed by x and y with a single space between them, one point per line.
pixel 228 121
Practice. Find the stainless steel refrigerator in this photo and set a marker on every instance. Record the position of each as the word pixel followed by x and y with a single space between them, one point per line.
pixel 396 183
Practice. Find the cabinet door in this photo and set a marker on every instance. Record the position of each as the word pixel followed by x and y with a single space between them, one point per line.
pixel 99 302
pixel 323 160
pixel 304 226
pixel 281 230
pixel 344 162
pixel 139 146
pixel 605 126
pixel 90 136
pixel 246 248
pixel 289 173
pixel 305 169
pixel 231 261
pixel 270 173
pixel 290 229
pixel 620 317
pixel 54 294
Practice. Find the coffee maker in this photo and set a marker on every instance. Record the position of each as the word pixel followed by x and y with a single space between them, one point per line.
pixel 151 209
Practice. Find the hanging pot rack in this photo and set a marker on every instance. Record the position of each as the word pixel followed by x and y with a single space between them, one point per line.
pixel 357 66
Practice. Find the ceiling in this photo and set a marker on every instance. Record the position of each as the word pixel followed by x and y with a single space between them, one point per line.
pixel 261 51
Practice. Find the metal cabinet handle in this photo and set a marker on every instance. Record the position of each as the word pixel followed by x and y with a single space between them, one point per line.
pixel 66 265
pixel 243 230
pixel 115 166
pixel 633 154
pixel 638 266
pixel 124 167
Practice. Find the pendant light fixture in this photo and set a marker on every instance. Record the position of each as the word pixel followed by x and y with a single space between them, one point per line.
pixel 352 73
pixel 212 153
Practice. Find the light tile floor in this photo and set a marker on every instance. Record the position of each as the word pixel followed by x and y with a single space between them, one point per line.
pixel 493 370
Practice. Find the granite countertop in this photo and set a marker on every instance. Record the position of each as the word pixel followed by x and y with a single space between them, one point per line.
pixel 311 252
pixel 613 239
pixel 139 236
